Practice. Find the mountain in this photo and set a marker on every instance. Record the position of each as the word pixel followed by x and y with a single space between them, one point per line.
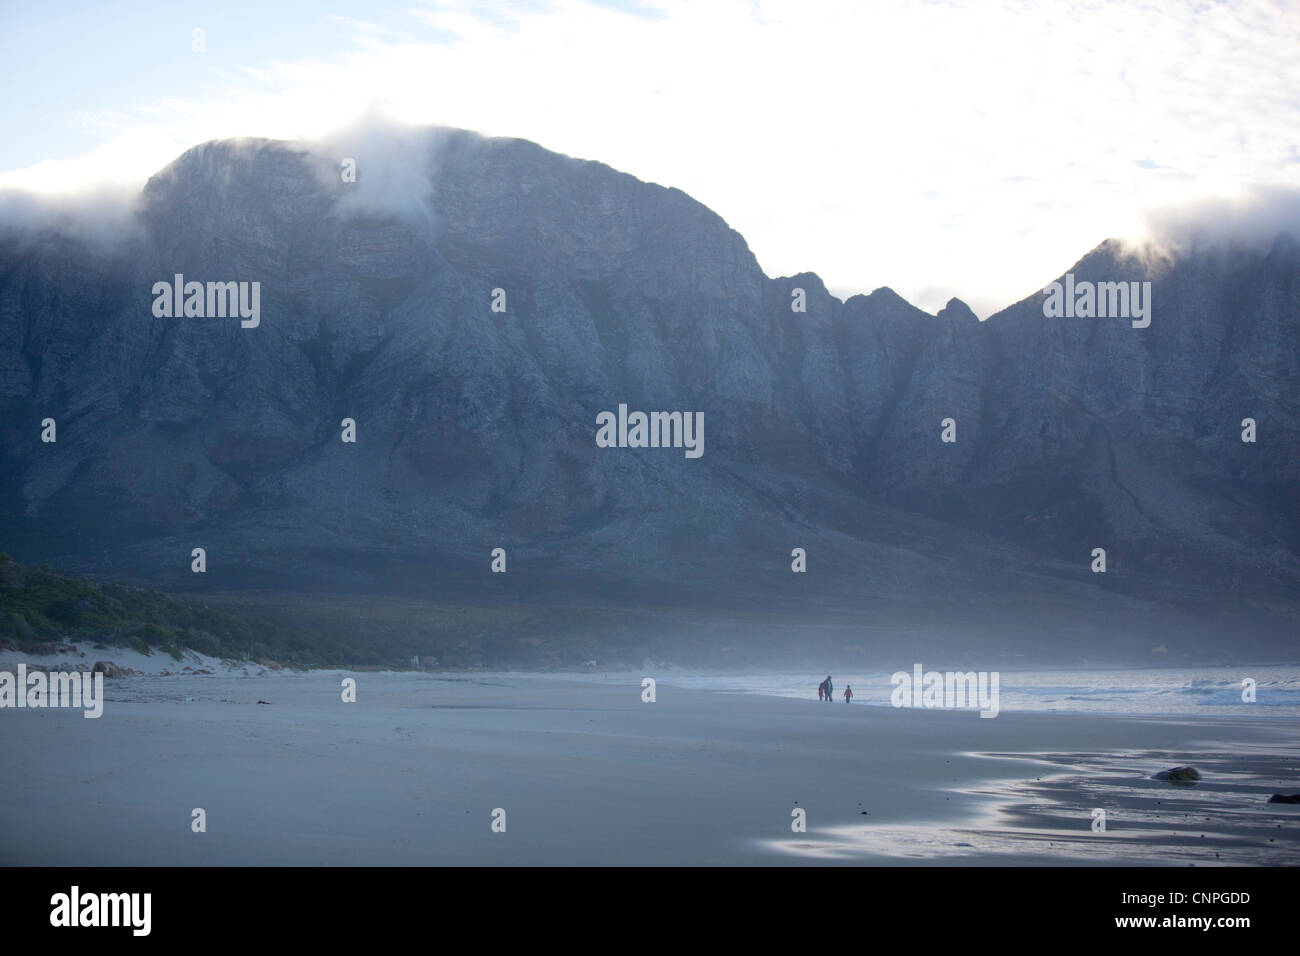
pixel 476 428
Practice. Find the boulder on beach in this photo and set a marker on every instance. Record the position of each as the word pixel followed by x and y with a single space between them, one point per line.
pixel 1283 798
pixel 1179 775
pixel 107 668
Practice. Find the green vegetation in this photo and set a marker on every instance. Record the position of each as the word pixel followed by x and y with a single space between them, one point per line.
pixel 41 606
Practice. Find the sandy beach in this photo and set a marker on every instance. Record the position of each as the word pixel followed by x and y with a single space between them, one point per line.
pixel 587 773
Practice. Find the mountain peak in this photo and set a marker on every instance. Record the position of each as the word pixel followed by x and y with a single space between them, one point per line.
pixel 958 310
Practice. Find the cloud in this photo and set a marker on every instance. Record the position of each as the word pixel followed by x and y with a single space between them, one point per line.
pixel 964 148
pixel 103 214
pixel 1254 218
pixel 393 163
pixel 126 160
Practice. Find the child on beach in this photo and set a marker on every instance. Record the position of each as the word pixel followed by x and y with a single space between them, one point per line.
pixel 848 693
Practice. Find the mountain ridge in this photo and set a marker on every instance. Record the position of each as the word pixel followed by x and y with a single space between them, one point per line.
pixel 476 428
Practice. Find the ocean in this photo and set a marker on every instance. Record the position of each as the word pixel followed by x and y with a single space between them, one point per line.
pixel 1172 691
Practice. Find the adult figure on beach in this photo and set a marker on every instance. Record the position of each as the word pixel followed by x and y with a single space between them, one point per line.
pixel 830 688
pixel 848 693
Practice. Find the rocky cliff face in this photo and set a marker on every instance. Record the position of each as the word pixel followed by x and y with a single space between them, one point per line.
pixel 475 428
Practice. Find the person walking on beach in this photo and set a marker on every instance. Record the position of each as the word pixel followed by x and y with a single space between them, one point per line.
pixel 848 693
pixel 821 690
pixel 830 688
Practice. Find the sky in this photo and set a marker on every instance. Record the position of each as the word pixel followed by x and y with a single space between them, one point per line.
pixel 972 148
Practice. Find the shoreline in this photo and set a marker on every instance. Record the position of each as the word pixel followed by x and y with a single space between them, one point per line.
pixel 588 773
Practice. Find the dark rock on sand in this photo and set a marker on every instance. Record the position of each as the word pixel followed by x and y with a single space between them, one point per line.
pixel 1184 775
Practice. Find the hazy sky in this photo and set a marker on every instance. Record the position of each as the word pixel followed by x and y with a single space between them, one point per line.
pixel 974 148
